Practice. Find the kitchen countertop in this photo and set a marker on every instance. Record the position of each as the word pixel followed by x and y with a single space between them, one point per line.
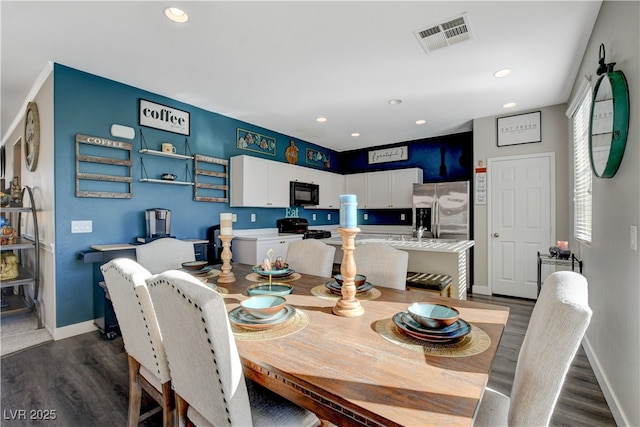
pixel 409 243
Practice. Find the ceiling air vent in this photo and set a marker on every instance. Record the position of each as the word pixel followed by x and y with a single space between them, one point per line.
pixel 444 34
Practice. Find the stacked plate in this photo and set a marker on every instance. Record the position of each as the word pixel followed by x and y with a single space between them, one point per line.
pixel 274 274
pixel 244 319
pixel 280 289
pixel 203 272
pixel 336 288
pixel 447 334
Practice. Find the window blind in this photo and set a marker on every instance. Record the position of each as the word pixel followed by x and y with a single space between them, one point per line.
pixel 582 175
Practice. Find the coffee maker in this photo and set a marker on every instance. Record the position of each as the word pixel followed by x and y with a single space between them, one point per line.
pixel 158 224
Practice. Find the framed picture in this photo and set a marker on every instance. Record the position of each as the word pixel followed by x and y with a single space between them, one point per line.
pixel 164 118
pixel 317 158
pixel 519 129
pixel 389 155
pixel 253 141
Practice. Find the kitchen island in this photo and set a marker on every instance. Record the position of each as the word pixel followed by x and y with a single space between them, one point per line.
pixel 439 256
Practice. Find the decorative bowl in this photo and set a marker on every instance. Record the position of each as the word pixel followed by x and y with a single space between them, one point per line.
pixel 263 306
pixel 358 280
pixel 434 316
pixel 194 265
pixel 169 176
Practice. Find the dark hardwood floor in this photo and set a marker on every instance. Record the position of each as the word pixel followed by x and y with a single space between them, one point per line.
pixel 82 381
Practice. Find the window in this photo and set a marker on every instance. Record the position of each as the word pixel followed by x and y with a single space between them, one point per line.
pixel 582 174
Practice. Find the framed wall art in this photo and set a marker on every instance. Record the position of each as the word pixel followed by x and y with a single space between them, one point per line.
pixel 161 117
pixel 252 141
pixel 519 129
pixel 317 158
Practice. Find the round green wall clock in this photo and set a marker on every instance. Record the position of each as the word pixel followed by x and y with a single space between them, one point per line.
pixel 609 123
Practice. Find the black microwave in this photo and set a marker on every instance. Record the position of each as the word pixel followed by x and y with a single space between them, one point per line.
pixel 303 194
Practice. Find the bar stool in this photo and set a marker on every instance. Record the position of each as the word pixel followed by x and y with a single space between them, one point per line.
pixel 429 282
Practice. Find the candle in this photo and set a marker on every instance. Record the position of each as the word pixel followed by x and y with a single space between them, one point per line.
pixel 562 244
pixel 348 211
pixel 226 220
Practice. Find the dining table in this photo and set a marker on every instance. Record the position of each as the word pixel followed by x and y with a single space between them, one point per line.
pixel 364 370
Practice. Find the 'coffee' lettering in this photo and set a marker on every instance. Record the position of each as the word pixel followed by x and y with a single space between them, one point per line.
pixel 164 115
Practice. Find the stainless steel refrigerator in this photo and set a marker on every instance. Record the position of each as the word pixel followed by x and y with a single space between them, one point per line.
pixel 442 210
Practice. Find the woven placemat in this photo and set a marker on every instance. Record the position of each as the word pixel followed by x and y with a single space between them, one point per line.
pixel 255 277
pixel 208 275
pixel 218 289
pixel 321 291
pixel 297 322
pixel 474 343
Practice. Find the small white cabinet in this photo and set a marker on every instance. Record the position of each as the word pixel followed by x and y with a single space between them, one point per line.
pixel 357 184
pixel 257 182
pixel 253 250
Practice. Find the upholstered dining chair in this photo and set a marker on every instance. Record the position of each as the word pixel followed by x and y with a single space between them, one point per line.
pixel 311 256
pixel 148 368
pixel 383 265
pixel 206 371
pixel 164 254
pixel 557 325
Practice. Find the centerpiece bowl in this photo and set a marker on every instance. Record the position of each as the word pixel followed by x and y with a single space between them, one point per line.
pixel 194 265
pixel 358 280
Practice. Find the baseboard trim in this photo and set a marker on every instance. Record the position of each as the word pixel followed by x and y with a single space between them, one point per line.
pixel 73 330
pixel 609 396
pixel 481 290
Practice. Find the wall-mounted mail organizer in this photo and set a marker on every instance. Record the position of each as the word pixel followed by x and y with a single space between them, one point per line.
pixel 103 168
pixel 211 177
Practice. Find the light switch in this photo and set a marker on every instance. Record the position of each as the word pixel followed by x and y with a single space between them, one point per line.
pixel 81 226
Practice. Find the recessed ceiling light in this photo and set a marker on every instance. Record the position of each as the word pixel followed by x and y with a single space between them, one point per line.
pixel 355 134
pixel 502 73
pixel 421 122
pixel 509 105
pixel 395 101
pixel 321 119
pixel 176 15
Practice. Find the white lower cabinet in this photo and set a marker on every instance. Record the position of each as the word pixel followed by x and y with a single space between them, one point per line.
pixel 253 250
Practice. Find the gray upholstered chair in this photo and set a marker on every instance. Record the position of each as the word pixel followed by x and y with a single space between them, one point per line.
pixel 206 371
pixel 383 265
pixel 148 368
pixel 164 254
pixel 311 256
pixel 557 325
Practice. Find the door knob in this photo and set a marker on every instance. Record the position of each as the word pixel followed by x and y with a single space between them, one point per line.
pixel 496 234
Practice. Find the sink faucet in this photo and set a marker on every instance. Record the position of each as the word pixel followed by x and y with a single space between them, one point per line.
pixel 420 233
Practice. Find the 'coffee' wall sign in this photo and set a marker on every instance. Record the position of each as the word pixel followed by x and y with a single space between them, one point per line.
pixel 162 117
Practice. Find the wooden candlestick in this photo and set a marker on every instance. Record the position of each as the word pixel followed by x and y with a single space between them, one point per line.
pixel 227 275
pixel 348 305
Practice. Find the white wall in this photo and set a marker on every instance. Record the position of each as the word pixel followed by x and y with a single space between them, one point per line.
pixel 612 269
pixel 554 128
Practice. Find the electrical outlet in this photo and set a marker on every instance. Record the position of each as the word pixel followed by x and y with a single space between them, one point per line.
pixel 253 217
pixel 633 238
pixel 234 217
pixel 81 226
pixel 402 217
pixel 329 217
pixel 313 217
pixel 366 217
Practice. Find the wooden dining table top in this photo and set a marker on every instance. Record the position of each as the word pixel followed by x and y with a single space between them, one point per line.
pixel 342 369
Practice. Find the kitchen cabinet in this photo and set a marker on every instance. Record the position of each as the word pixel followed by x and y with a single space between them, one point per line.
pixel 26 284
pixel 391 189
pixel 257 182
pixel 330 191
pixel 253 250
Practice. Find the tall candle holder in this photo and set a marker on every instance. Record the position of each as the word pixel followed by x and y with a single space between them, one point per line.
pixel 348 305
pixel 227 275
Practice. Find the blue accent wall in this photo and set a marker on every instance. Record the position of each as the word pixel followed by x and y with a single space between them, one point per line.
pixel 88 104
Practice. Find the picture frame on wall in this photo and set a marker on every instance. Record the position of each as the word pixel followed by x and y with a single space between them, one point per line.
pixel 519 129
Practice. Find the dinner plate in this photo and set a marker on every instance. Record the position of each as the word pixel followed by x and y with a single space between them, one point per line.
pixel 203 271
pixel 336 288
pixel 463 329
pixel 239 317
pixel 411 323
pixel 279 289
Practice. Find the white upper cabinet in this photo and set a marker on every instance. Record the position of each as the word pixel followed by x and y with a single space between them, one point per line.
pixel 257 182
pixel 392 189
pixel 402 181
pixel 357 184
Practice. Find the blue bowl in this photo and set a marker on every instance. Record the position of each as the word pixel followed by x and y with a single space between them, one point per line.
pixel 434 316
pixel 263 306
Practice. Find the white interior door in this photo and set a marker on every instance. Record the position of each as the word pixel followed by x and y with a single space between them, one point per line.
pixel 521 221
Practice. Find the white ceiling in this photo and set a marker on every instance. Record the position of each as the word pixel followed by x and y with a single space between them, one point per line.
pixel 281 64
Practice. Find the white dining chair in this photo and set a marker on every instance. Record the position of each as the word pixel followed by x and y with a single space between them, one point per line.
pixel 148 368
pixel 557 325
pixel 383 265
pixel 206 370
pixel 311 256
pixel 164 254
